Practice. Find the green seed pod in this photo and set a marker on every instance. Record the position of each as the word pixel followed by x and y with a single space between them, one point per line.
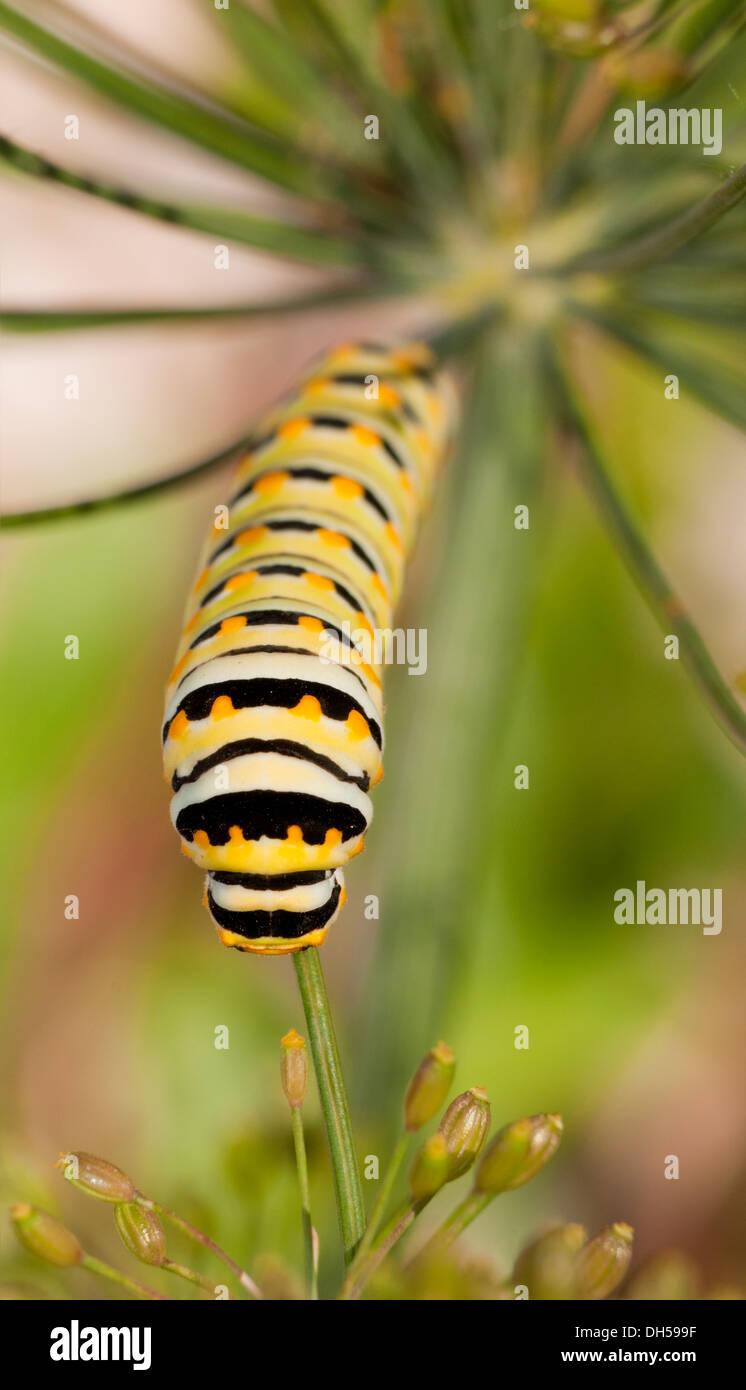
pixel 141 1232
pixel 44 1236
pixel 429 1086
pixel 97 1177
pixel 547 1266
pixel 294 1068
pixel 518 1152
pixel 604 1261
pixel 464 1128
pixel 430 1168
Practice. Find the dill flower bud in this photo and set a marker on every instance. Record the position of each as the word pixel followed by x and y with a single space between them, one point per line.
pixel 294 1068
pixel 141 1232
pixel 547 1266
pixel 97 1177
pixel 44 1236
pixel 429 1086
pixel 604 1261
pixel 518 1152
pixel 430 1168
pixel 464 1128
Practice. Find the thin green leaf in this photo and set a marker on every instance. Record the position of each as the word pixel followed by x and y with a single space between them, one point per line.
pixel 66 320
pixel 718 384
pixel 642 563
pixel 230 138
pixel 262 233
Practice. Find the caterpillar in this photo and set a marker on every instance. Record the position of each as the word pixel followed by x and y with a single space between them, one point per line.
pixel 273 728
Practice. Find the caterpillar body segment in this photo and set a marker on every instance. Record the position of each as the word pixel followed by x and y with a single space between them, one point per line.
pixel 273 726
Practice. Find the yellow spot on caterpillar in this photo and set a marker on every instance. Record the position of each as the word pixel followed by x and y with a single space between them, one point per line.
pixel 202 839
pixel 239 581
pixel 254 533
pixel 356 726
pixel 343 351
pixel 294 835
pixel 406 482
pixel 235 835
pixel 310 624
pixel 307 708
pixel 369 673
pixel 347 487
pixel 332 839
pixel 271 946
pixel 332 537
pixel 292 428
pixel 204 898
pixel 378 777
pixel 388 396
pixel 358 848
pixel 362 435
pixel 318 581
pixel 199 581
pixel 179 725
pixel 222 708
pixel 393 536
pixel 178 668
pixel 362 622
pixel 233 624
pixel 185 849
pixel 192 622
pixel 380 588
pixel 271 482
pixel 424 443
pixel 343 897
pixel 317 385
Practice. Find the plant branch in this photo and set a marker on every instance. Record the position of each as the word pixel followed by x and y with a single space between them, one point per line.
pixel 67 320
pixel 461 1217
pixel 347 1185
pixel 656 245
pixel 299 1142
pixel 134 1286
pixel 397 1227
pixel 379 1209
pixel 292 240
pixel 652 582
pixel 195 1234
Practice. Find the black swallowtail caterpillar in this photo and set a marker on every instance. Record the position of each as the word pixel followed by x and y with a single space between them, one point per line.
pixel 271 744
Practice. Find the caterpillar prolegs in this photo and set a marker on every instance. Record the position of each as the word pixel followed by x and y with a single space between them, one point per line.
pixel 273 730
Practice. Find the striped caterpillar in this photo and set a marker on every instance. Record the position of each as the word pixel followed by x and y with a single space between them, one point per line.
pixel 270 744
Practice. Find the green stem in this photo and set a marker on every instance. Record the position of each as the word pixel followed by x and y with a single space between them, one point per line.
pixel 347 1185
pixel 312 1284
pixel 191 1275
pixel 195 1234
pixel 397 1227
pixel 652 582
pixel 134 1286
pixel 382 1200
pixel 461 1217
pixel 654 246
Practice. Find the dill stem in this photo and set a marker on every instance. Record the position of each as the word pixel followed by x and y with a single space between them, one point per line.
pixel 312 1286
pixel 382 1200
pixel 195 1234
pixel 347 1185
pixel 134 1286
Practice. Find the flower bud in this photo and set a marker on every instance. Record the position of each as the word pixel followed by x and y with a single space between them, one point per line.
pixel 668 1277
pixel 142 1232
pixel 429 1086
pixel 44 1236
pixel 547 1266
pixel 464 1128
pixel 430 1168
pixel 604 1261
pixel 518 1152
pixel 294 1068
pixel 97 1177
